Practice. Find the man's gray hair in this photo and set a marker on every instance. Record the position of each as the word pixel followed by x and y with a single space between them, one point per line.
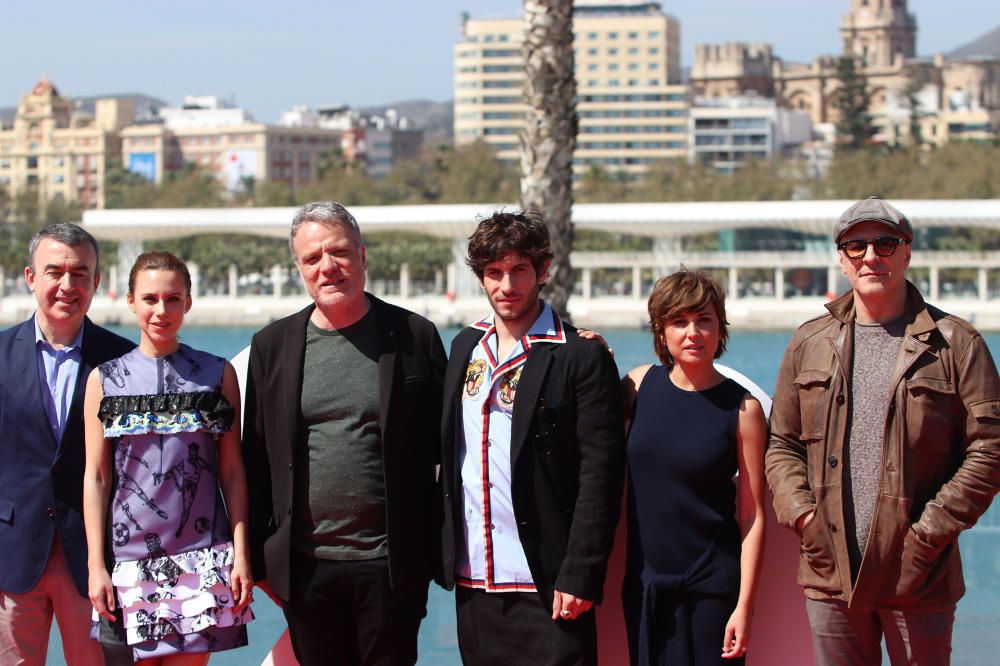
pixel 68 234
pixel 327 213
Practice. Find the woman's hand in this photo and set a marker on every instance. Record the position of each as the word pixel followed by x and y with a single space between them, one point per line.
pixel 241 583
pixel 737 637
pixel 101 593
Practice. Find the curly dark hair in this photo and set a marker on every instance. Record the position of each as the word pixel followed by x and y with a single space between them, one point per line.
pixel 497 236
pixel 685 291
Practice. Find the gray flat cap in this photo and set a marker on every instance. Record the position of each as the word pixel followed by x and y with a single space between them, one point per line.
pixel 873 209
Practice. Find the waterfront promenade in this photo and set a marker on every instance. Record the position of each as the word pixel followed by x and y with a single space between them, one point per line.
pixel 759 313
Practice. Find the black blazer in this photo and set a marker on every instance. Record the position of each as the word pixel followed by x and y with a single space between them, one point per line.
pixel 410 368
pixel 567 457
pixel 41 480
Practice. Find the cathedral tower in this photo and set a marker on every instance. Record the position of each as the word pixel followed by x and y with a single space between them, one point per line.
pixel 879 31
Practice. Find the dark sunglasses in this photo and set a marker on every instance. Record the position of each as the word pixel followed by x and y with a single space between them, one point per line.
pixel 884 246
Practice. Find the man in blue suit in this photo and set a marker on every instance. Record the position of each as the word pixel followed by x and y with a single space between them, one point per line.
pixel 44 364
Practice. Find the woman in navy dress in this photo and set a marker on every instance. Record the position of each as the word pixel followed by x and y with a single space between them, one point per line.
pixel 693 557
pixel 163 446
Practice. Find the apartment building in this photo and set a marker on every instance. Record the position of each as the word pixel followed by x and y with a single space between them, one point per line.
pixel 214 134
pixel 729 132
pixel 58 150
pixel 632 108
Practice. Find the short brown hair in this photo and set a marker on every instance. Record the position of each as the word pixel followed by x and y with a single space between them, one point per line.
pixel 685 291
pixel 503 233
pixel 158 260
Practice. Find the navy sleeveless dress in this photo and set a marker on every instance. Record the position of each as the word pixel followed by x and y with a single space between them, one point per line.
pixel 683 573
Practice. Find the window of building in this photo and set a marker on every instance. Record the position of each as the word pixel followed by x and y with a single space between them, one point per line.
pixel 653 66
pixel 501 84
pixel 612 35
pixel 613 67
pixel 591 35
pixel 654 82
pixel 501 53
pixel 591 52
pixel 612 52
pixel 593 83
pixel 654 34
pixel 58 179
pixel 633 35
pixel 632 83
pixel 633 51
pixel 32 162
pixel 612 83
pixel 654 51
pixel 633 66
pixel 592 67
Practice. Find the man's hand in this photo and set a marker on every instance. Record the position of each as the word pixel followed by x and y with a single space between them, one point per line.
pixel 588 334
pixel 567 607
pixel 803 520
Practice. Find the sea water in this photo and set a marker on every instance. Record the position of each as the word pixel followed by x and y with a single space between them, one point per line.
pixel 757 355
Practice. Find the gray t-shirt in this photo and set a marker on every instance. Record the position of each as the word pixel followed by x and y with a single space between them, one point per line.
pixel 339 511
pixel 875 349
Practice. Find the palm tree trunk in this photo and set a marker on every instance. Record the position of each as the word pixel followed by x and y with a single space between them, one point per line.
pixel 549 136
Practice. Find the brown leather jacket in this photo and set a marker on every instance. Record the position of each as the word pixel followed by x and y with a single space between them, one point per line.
pixel 941 456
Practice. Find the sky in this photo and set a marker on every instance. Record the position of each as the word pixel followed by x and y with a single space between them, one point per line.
pixel 271 56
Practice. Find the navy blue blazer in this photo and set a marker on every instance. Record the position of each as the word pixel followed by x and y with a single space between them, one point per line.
pixel 41 480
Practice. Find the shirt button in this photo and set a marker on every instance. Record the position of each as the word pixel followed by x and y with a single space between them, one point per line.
pixel 840 399
pixel 833 528
pixel 50 512
pixel 490 484
pixel 832 460
pixel 489 443
pixel 492 526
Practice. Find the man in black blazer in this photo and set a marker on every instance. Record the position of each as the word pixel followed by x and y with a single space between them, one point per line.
pixel 531 466
pixel 44 365
pixel 341 439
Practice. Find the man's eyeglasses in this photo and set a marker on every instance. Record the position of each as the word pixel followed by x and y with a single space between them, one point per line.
pixel 884 246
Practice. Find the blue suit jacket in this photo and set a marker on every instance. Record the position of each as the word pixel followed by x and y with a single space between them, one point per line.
pixel 41 480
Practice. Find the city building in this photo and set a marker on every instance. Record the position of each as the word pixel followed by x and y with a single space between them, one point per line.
pixel 959 95
pixel 213 134
pixel 57 150
pixel 376 142
pixel 632 107
pixel 728 132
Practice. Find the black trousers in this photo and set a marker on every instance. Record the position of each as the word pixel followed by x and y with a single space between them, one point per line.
pixel 345 613
pixel 509 628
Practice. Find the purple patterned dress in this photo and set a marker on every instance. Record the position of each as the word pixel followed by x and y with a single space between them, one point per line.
pixel 169 532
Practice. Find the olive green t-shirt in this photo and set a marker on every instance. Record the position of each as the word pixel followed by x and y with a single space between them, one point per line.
pixel 339 511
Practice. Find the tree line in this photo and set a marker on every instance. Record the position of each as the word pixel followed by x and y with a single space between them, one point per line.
pixel 473 174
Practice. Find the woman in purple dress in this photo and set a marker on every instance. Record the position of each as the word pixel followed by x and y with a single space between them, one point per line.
pixel 162 432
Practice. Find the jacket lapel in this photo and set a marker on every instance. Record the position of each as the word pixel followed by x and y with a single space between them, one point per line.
pixel 89 353
pixel 454 382
pixel 293 356
pixel 386 367
pixel 25 374
pixel 526 400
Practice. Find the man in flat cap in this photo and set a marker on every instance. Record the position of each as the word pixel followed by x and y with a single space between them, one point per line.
pixel 884 446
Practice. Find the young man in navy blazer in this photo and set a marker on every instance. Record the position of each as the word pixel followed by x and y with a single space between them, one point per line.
pixel 532 463
pixel 44 365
